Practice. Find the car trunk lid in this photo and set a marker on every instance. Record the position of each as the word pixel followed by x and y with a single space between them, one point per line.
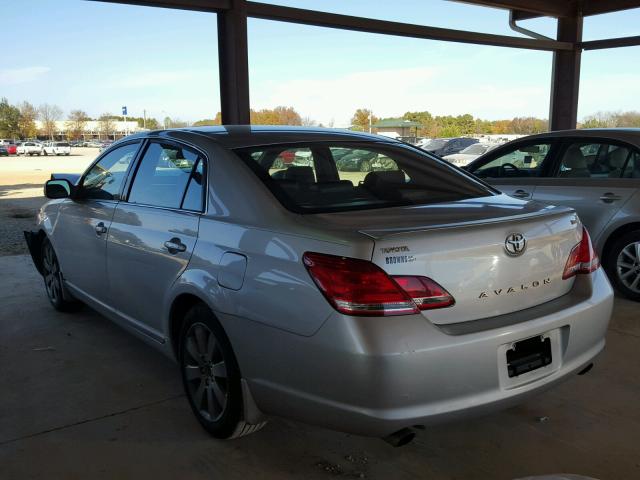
pixel 463 246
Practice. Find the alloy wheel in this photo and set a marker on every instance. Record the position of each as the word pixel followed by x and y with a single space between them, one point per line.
pixel 205 372
pixel 51 273
pixel 628 266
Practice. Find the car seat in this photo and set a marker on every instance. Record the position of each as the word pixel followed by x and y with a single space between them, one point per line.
pixel 617 160
pixel 576 163
pixel 300 174
pixel 379 184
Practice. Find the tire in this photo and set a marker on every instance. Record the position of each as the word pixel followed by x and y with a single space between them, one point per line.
pixel 53 280
pixel 622 263
pixel 211 376
pixel 365 166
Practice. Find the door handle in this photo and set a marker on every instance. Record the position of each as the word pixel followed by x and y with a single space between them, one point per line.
pixel 175 245
pixel 610 197
pixel 521 194
pixel 100 229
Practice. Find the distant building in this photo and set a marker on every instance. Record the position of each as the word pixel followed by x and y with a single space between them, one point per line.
pixel 398 128
pixel 92 130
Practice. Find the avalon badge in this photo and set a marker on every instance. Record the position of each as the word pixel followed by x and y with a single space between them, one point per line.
pixel 515 244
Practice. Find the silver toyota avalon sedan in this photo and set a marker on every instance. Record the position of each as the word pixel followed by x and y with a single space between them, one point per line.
pixel 366 302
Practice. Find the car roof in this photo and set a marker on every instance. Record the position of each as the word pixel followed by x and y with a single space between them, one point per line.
pixel 236 136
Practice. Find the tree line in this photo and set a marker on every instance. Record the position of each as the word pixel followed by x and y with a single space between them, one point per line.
pixel 19 121
pixel 454 126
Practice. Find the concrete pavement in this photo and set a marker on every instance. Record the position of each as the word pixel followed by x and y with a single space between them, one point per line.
pixel 80 399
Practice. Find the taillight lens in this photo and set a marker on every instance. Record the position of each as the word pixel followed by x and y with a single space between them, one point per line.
pixel 426 293
pixel 359 287
pixel 582 259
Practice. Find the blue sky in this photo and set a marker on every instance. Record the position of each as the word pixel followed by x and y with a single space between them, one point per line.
pixel 98 57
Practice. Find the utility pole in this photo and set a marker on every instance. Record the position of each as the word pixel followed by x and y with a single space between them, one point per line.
pixel 144 119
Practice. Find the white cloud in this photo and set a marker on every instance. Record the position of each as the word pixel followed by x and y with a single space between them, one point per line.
pixel 392 92
pixel 16 76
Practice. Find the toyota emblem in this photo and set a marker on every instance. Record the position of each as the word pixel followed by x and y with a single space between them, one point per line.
pixel 515 244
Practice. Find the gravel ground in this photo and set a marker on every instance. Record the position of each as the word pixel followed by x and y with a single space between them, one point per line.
pixel 21 183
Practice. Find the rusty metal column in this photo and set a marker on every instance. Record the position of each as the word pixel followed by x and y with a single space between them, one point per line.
pixel 565 76
pixel 233 60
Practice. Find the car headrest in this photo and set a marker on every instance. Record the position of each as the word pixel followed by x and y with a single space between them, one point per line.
pixel 574 159
pixel 618 157
pixel 376 179
pixel 300 174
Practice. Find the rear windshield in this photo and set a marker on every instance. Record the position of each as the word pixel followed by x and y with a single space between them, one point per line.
pixel 435 144
pixel 333 177
pixel 475 149
pixel 62 144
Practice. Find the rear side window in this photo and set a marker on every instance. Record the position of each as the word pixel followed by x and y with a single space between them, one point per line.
pixel 586 159
pixel 328 177
pixel 162 176
pixel 632 168
pixel 194 197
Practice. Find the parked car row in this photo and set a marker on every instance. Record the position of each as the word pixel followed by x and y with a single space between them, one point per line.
pixel 37 147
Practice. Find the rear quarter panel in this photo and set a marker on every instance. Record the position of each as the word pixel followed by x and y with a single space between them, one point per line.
pixel 277 290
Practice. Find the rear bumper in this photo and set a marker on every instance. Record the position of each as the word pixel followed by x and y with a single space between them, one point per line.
pixel 374 376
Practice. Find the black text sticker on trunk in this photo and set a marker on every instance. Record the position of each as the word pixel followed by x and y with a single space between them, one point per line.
pixel 399 259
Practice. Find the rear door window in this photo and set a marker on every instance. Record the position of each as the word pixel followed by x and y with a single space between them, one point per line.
pixel 343 176
pixel 632 168
pixel 588 159
pixel 162 176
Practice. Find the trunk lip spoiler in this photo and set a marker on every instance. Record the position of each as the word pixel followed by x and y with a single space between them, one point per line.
pixel 379 234
pixel 34 240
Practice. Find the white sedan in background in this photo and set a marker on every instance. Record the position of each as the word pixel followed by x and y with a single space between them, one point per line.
pixel 29 148
pixel 469 154
pixel 57 148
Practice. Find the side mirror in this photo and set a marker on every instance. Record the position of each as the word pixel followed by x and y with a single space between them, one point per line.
pixel 58 188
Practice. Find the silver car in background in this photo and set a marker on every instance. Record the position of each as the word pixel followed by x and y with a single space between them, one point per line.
pixel 366 302
pixel 469 154
pixel 594 171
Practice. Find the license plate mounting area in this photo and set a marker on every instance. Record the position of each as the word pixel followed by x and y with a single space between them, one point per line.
pixel 528 355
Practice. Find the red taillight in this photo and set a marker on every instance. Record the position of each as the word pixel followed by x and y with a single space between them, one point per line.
pixel 426 293
pixel 359 287
pixel 582 259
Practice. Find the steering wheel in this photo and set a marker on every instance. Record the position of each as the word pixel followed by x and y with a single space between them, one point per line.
pixel 503 171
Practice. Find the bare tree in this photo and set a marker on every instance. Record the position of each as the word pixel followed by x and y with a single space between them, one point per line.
pixel 48 114
pixel 308 122
pixel 106 125
pixel 76 123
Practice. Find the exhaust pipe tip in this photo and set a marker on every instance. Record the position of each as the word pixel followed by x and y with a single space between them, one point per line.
pixel 400 438
pixel 586 369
